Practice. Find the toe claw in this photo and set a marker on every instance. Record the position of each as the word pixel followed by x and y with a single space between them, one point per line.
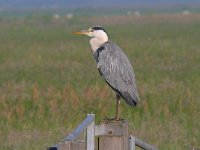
pixel 107 119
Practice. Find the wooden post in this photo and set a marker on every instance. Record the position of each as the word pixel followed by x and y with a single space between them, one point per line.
pixel 131 142
pixel 72 145
pixel 91 135
pixel 113 135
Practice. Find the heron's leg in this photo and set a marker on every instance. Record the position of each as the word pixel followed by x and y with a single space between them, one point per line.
pixel 116 118
pixel 117 106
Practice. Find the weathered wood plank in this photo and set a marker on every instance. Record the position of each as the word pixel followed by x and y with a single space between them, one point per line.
pixel 72 145
pixel 109 129
pixel 144 145
pixel 91 135
pixel 113 135
pixel 131 142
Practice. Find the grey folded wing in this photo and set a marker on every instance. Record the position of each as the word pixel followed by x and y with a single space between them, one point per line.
pixel 116 69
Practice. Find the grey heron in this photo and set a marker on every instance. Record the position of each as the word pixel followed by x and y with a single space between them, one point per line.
pixel 113 66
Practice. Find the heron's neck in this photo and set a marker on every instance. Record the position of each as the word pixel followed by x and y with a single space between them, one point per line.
pixel 95 42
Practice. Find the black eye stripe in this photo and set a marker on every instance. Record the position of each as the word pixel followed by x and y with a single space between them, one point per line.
pixel 98 28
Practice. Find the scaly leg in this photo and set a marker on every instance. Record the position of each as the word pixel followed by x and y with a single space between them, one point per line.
pixel 116 118
pixel 117 107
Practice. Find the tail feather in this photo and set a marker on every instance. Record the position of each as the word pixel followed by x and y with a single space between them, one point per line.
pixel 130 100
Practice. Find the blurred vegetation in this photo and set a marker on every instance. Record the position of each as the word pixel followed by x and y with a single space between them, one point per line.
pixel 49 81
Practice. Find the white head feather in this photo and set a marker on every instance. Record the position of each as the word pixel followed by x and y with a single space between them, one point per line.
pixel 98 38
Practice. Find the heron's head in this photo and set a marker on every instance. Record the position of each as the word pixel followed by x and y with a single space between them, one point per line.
pixel 94 32
pixel 97 34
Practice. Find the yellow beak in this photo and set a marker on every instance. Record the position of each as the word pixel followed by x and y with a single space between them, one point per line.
pixel 85 32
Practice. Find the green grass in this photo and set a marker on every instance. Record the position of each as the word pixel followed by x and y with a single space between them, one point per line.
pixel 49 81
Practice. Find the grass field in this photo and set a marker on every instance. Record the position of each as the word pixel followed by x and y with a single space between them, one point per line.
pixel 49 81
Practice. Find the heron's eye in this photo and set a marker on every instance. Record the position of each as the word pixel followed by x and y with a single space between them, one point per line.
pixel 91 30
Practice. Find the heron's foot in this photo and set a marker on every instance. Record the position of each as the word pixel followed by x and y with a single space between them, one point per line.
pixel 112 119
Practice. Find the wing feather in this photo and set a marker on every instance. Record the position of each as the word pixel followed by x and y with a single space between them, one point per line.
pixel 116 69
